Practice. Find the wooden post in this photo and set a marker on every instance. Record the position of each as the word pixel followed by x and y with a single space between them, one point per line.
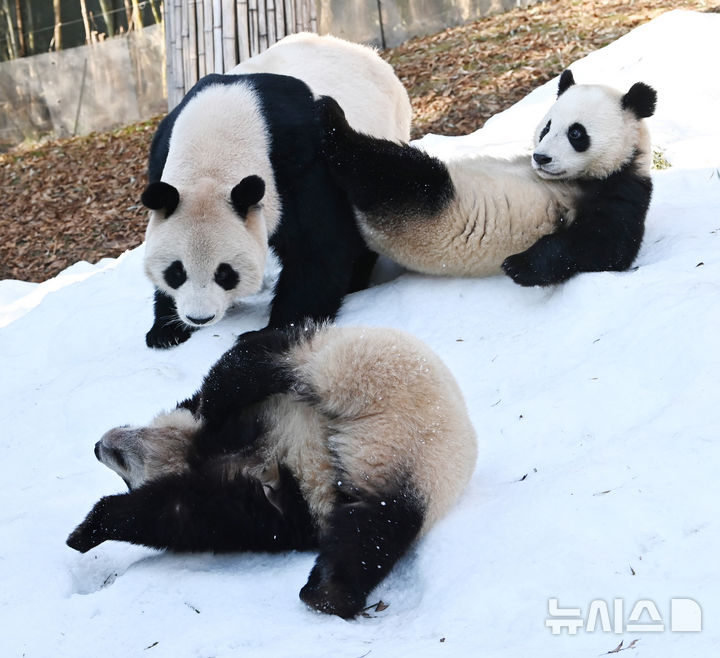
pixel 86 22
pixel 217 36
pixel 192 55
pixel 57 35
pixel 243 34
pixel 208 36
pixel 200 37
pixel 229 42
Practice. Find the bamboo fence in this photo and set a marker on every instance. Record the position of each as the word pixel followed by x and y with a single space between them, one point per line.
pixel 212 36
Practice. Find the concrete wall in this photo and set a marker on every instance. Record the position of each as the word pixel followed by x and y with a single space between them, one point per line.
pixel 79 90
pixel 358 20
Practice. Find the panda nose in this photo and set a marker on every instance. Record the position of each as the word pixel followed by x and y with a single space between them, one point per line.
pixel 97 450
pixel 209 318
pixel 541 158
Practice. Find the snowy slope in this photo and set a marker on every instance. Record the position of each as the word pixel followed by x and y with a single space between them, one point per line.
pixel 595 403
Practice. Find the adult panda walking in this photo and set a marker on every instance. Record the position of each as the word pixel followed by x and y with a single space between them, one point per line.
pixel 236 168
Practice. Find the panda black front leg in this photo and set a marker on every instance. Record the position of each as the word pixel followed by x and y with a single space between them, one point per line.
pixel 547 262
pixel 363 541
pixel 168 329
pixel 192 512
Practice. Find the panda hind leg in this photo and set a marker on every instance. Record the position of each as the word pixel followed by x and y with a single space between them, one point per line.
pixel 361 543
pixel 200 512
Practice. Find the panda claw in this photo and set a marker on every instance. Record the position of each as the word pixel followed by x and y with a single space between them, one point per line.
pixel 164 336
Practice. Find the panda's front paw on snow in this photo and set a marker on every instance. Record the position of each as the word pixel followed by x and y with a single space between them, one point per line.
pixel 162 336
pixel 543 264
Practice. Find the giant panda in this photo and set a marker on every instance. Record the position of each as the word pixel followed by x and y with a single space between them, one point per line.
pixel 236 168
pixel 578 205
pixel 353 441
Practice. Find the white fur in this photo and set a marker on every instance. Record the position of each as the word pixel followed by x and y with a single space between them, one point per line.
pixel 614 132
pixel 211 150
pixel 366 87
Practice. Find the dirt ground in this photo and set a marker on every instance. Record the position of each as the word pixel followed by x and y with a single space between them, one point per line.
pixel 78 199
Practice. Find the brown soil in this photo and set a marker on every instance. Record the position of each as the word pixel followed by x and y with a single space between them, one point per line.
pixel 78 199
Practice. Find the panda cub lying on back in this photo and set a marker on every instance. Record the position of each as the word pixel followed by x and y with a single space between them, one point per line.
pixel 350 440
pixel 578 205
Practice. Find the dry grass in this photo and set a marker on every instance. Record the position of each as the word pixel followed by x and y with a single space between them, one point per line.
pixel 77 199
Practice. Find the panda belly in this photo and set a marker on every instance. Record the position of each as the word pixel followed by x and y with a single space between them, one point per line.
pixel 498 208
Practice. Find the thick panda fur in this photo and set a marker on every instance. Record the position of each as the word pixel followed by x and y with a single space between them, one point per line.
pixel 353 441
pixel 236 167
pixel 578 205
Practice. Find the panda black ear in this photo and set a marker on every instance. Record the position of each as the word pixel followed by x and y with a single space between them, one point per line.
pixel 161 195
pixel 566 80
pixel 248 192
pixel 641 99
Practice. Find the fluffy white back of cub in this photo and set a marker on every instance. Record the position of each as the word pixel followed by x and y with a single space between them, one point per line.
pixel 373 98
pixel 210 151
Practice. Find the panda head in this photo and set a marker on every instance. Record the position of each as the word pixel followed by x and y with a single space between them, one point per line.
pixel 141 454
pixel 592 131
pixel 206 244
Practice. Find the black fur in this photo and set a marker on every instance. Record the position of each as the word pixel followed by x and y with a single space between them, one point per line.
pixel 322 253
pixel 216 506
pixel 198 511
pixel 364 539
pixel 606 234
pixel 641 99
pixel 159 196
pixel 566 81
pixel 226 276
pixel 382 177
pixel 248 192
pixel 175 274
pixel 167 330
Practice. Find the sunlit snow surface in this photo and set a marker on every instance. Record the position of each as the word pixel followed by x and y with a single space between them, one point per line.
pixel 595 402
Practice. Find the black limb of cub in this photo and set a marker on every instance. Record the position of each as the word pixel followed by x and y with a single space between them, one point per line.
pixel 197 511
pixel 168 329
pixel 363 541
pixel 380 176
pixel 605 236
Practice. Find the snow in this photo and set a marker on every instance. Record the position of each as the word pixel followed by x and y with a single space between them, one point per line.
pixel 595 404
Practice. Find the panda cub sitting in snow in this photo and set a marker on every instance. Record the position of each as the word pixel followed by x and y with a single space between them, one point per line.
pixel 350 440
pixel 236 168
pixel 578 205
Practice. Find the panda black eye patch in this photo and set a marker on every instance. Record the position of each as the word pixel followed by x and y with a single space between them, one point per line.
pixel 226 276
pixel 578 137
pixel 545 131
pixel 175 274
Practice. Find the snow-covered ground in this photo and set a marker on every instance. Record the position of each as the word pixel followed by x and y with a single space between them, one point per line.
pixel 596 405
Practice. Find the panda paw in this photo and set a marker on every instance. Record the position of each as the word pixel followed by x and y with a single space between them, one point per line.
pixel 541 265
pixel 89 533
pixel 332 598
pixel 162 336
